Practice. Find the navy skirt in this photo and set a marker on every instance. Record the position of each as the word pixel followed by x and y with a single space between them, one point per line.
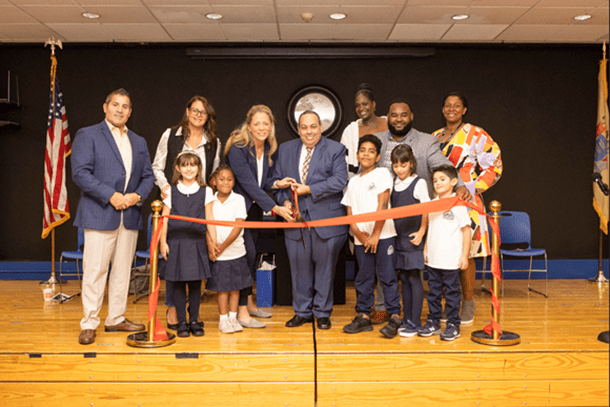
pixel 230 275
pixel 409 260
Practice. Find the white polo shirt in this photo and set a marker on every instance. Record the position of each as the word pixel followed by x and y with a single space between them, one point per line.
pixel 444 240
pixel 361 196
pixel 233 208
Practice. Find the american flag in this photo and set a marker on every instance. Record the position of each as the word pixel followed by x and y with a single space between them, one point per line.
pixel 56 208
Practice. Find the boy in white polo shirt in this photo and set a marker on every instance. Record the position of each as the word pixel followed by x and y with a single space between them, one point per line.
pixel 446 252
pixel 374 242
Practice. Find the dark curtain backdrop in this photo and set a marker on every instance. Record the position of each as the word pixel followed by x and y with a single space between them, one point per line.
pixel 538 102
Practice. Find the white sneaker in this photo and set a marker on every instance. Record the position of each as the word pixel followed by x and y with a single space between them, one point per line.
pixel 225 327
pixel 235 325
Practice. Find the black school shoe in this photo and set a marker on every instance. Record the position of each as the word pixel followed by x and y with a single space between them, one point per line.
pixel 323 323
pixel 298 320
pixel 391 329
pixel 196 328
pixel 359 324
pixel 183 330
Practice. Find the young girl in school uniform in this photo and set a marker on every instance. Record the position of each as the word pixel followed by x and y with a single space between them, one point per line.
pixel 409 189
pixel 183 244
pixel 230 272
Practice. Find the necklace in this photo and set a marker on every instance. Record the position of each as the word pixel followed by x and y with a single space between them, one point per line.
pixel 444 143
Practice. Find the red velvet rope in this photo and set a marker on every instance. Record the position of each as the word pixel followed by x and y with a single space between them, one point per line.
pixel 394 213
pixel 495 302
pixel 159 334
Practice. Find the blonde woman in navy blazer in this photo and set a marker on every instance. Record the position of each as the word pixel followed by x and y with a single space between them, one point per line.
pixel 251 152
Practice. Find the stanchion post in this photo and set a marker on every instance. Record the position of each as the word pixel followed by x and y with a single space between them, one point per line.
pixel 156 206
pixel 496 207
pixel 505 338
pixel 146 339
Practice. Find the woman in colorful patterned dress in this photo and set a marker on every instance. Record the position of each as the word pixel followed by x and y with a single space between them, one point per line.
pixel 477 158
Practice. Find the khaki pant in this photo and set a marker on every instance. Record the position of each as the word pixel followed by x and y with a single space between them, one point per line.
pixel 102 248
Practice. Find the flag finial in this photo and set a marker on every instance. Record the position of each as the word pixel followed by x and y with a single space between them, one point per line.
pixel 53 43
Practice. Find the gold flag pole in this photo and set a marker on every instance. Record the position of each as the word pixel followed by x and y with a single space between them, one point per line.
pixel 53 279
pixel 146 339
pixel 505 338
pixel 600 278
pixel 604 336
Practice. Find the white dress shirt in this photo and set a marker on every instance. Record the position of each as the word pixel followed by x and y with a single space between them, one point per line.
pixel 124 146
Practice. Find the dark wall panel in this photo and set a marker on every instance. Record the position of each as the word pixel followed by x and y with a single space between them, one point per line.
pixel 538 103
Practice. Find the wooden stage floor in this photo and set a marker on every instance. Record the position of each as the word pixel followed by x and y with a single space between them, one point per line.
pixel 559 361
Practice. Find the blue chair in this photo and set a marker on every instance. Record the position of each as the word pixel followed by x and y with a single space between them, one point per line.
pixel 140 280
pixel 515 229
pixel 72 255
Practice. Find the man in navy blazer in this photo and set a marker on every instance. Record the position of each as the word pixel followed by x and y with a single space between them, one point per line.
pixel 319 164
pixel 111 165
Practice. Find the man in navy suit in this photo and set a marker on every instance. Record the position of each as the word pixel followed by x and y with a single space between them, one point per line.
pixel 111 165
pixel 319 164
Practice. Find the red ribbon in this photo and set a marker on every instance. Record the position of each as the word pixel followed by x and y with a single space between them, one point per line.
pixel 296 213
pixel 393 213
pixel 159 334
pixel 495 302
pixel 295 199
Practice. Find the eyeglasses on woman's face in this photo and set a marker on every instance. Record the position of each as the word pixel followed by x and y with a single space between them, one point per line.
pixel 197 112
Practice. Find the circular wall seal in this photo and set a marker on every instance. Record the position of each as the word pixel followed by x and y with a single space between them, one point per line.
pixel 321 100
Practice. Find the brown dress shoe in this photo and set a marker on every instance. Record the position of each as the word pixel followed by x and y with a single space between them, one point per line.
pixel 86 337
pixel 126 325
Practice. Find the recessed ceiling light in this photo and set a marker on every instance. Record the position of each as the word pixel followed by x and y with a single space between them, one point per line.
pixel 214 16
pixel 583 17
pixel 90 15
pixel 460 17
pixel 338 16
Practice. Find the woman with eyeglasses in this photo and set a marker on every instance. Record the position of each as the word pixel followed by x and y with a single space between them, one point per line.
pixel 196 132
